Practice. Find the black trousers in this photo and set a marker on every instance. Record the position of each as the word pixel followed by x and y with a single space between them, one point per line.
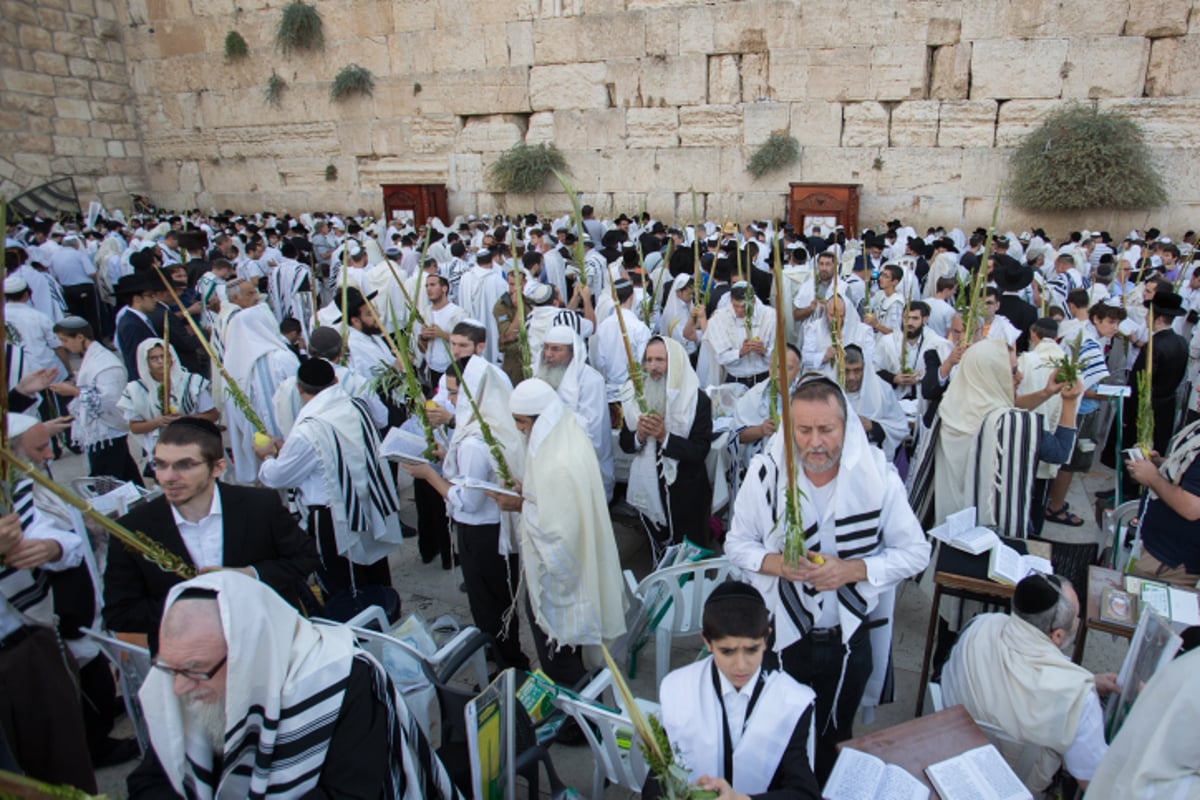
pixel 100 704
pixel 491 580
pixel 433 526
pixel 335 569
pixel 564 666
pixel 816 661
pixel 82 302
pixel 112 458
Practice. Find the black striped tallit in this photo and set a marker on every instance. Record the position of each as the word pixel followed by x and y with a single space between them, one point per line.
pixel 1006 451
pixel 27 590
pixel 379 490
pixel 920 481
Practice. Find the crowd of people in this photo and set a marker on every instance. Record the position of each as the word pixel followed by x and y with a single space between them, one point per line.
pixel 308 392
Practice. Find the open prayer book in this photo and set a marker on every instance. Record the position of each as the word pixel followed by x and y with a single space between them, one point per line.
pixel 1006 565
pixel 862 776
pixel 960 531
pixel 979 774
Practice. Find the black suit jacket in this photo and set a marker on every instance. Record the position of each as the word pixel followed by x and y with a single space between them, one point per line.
pixel 1021 314
pixel 132 330
pixel 192 355
pixel 259 533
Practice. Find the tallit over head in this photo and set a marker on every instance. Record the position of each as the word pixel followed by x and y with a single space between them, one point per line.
pixel 252 333
pixel 982 385
pixel 491 395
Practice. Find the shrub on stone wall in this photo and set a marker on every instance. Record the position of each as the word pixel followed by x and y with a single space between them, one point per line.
pixel 777 152
pixel 523 168
pixel 300 28
pixel 235 47
pixel 1083 158
pixel 273 94
pixel 352 80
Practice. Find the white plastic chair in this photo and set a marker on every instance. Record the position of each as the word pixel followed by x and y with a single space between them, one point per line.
pixel 677 593
pixel 363 619
pixel 605 729
pixel 133 665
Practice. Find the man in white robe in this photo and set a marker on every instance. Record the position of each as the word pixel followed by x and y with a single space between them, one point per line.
pixel 882 418
pixel 608 348
pixel 478 292
pixel 819 351
pixel 581 388
pixel 909 346
pixel 742 336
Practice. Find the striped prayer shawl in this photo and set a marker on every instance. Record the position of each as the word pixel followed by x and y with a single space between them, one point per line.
pixel 919 482
pixel 27 590
pixel 1006 450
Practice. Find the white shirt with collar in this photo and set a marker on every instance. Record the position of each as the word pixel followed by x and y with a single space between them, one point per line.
pixel 205 539
pixel 737 701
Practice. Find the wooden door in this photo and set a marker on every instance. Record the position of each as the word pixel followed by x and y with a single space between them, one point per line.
pixel 821 201
pixel 420 201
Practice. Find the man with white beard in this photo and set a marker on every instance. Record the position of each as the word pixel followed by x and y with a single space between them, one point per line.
pixel 581 388
pixel 250 698
pixel 878 409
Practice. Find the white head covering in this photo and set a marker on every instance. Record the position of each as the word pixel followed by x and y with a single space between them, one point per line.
pixel 492 396
pixel 982 385
pixel 536 398
pixel 256 333
pixel 19 424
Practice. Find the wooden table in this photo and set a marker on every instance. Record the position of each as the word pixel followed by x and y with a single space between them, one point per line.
pixel 918 743
pixel 1099 579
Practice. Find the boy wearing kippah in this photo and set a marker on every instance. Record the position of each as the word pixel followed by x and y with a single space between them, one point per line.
pixel 741 731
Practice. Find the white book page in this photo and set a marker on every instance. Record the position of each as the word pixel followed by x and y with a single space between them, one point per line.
pixel 1185 606
pixel 1006 564
pixel 1032 564
pixel 995 773
pixel 855 776
pixel 899 785
pixel 976 540
pixel 955 780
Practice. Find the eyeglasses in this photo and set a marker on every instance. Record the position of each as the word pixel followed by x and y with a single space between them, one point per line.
pixel 182 465
pixel 190 674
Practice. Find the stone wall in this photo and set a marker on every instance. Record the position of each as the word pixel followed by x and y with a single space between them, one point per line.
pixel 920 101
pixel 65 104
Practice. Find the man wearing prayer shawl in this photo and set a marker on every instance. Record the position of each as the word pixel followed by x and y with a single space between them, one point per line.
pixel 258 358
pixel 744 355
pixel 478 292
pixel 853 513
pixel 1012 671
pixel 878 409
pixel 676 320
pixel 249 699
pixel 569 560
pixel 581 388
pixel 143 404
pixel 819 351
pixel 608 350
pixel 668 480
pixel 326 344
pixel 289 288
pixel 912 343
pixel 332 457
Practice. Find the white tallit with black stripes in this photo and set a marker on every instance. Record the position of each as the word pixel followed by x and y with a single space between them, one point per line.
pixel 362 492
pixel 285 684
pixel 27 590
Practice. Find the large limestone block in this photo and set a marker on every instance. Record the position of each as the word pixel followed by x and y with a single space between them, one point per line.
pixel 742 27
pixel 898 72
pixel 1174 66
pixel 590 129
pixel 755 75
pixel 724 79
pixel 914 124
pixel 568 86
pixel 491 91
pixel 787 75
pixel 490 134
pixel 519 37
pixel 864 125
pixel 623 82
pixel 921 171
pixel 541 128
pixel 689 168
pixel 1009 69
pixel 612 35
pixel 838 164
pixel 51 63
pixel 1157 18
pixel 696 28
pixel 674 80
pixel 1008 19
pixel 1165 122
pixel 270 140
pixel 1016 119
pixel 662 32
pixel 72 87
pixel 760 120
pixel 1109 66
pixel 652 127
pixel 840 73
pixel 15 80
pixel 943 31
pixel 555 41
pixel 967 123
pixel 72 109
pixel 817 122
pixel 710 126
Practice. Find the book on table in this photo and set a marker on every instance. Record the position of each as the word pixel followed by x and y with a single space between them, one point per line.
pixel 978 774
pixel 1007 566
pixel 960 531
pixel 862 776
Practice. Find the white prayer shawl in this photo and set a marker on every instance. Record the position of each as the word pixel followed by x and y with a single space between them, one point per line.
pixel 208 285
pixel 284 693
pixel 97 417
pixel 142 400
pixel 691 715
pixel 1009 674
pixel 387 296
pixel 818 339
pixel 362 493
pixel 582 390
pixel 284 288
pixel 726 333
pixel 674 320
pixel 478 292
pixel 1156 754
pixel 539 321
pixel 888 310
pixel 945 265
pixel 287 401
pixel 608 350
pixel 568 552
pixel 887 355
pixel 876 402
pixel 796 281
pixel 368 354
pixel 491 394
pixel 649 465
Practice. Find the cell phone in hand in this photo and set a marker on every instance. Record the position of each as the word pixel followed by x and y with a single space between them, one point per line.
pixel 1134 454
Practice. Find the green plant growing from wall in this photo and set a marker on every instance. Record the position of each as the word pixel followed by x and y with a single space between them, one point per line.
pixel 777 152
pixel 235 47
pixel 351 80
pixel 273 94
pixel 331 173
pixel 1083 158
pixel 300 29
pixel 524 168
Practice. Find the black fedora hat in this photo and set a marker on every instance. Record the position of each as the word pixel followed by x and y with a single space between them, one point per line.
pixel 1166 304
pixel 1010 275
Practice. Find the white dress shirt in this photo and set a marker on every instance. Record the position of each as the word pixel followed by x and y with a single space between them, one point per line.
pixel 298 466
pixel 205 540
pixel 736 702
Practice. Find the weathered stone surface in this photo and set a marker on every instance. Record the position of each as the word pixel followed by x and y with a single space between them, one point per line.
pixel 710 126
pixel 567 86
pixel 1157 18
pixel 1110 66
pixel 724 79
pixel 755 68
pixel 817 123
pixel 842 73
pixel 787 75
pixel 1026 19
pixel 967 123
pixel 490 134
pixel 921 171
pixel 1016 119
pixel 898 72
pixel 674 81
pixel 864 125
pixel 541 128
pixel 1017 69
pixel 1165 122
pixel 914 124
pixel 591 129
pixel 943 31
pixel 760 120
pixel 1174 66
pixel 652 128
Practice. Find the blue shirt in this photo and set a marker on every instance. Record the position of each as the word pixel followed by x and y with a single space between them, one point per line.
pixel 1169 537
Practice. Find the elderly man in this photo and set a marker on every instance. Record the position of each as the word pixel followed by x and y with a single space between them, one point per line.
pixel 668 480
pixel 860 523
pixel 1012 672
pixel 568 553
pixel 878 409
pixel 248 699
pixel 40 714
pixel 564 366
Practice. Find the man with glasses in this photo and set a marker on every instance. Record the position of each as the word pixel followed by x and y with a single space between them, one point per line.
pixel 210 525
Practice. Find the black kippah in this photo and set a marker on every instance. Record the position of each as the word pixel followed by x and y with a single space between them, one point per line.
pixel 1036 593
pixel 198 424
pixel 735 590
pixel 197 593
pixel 316 372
